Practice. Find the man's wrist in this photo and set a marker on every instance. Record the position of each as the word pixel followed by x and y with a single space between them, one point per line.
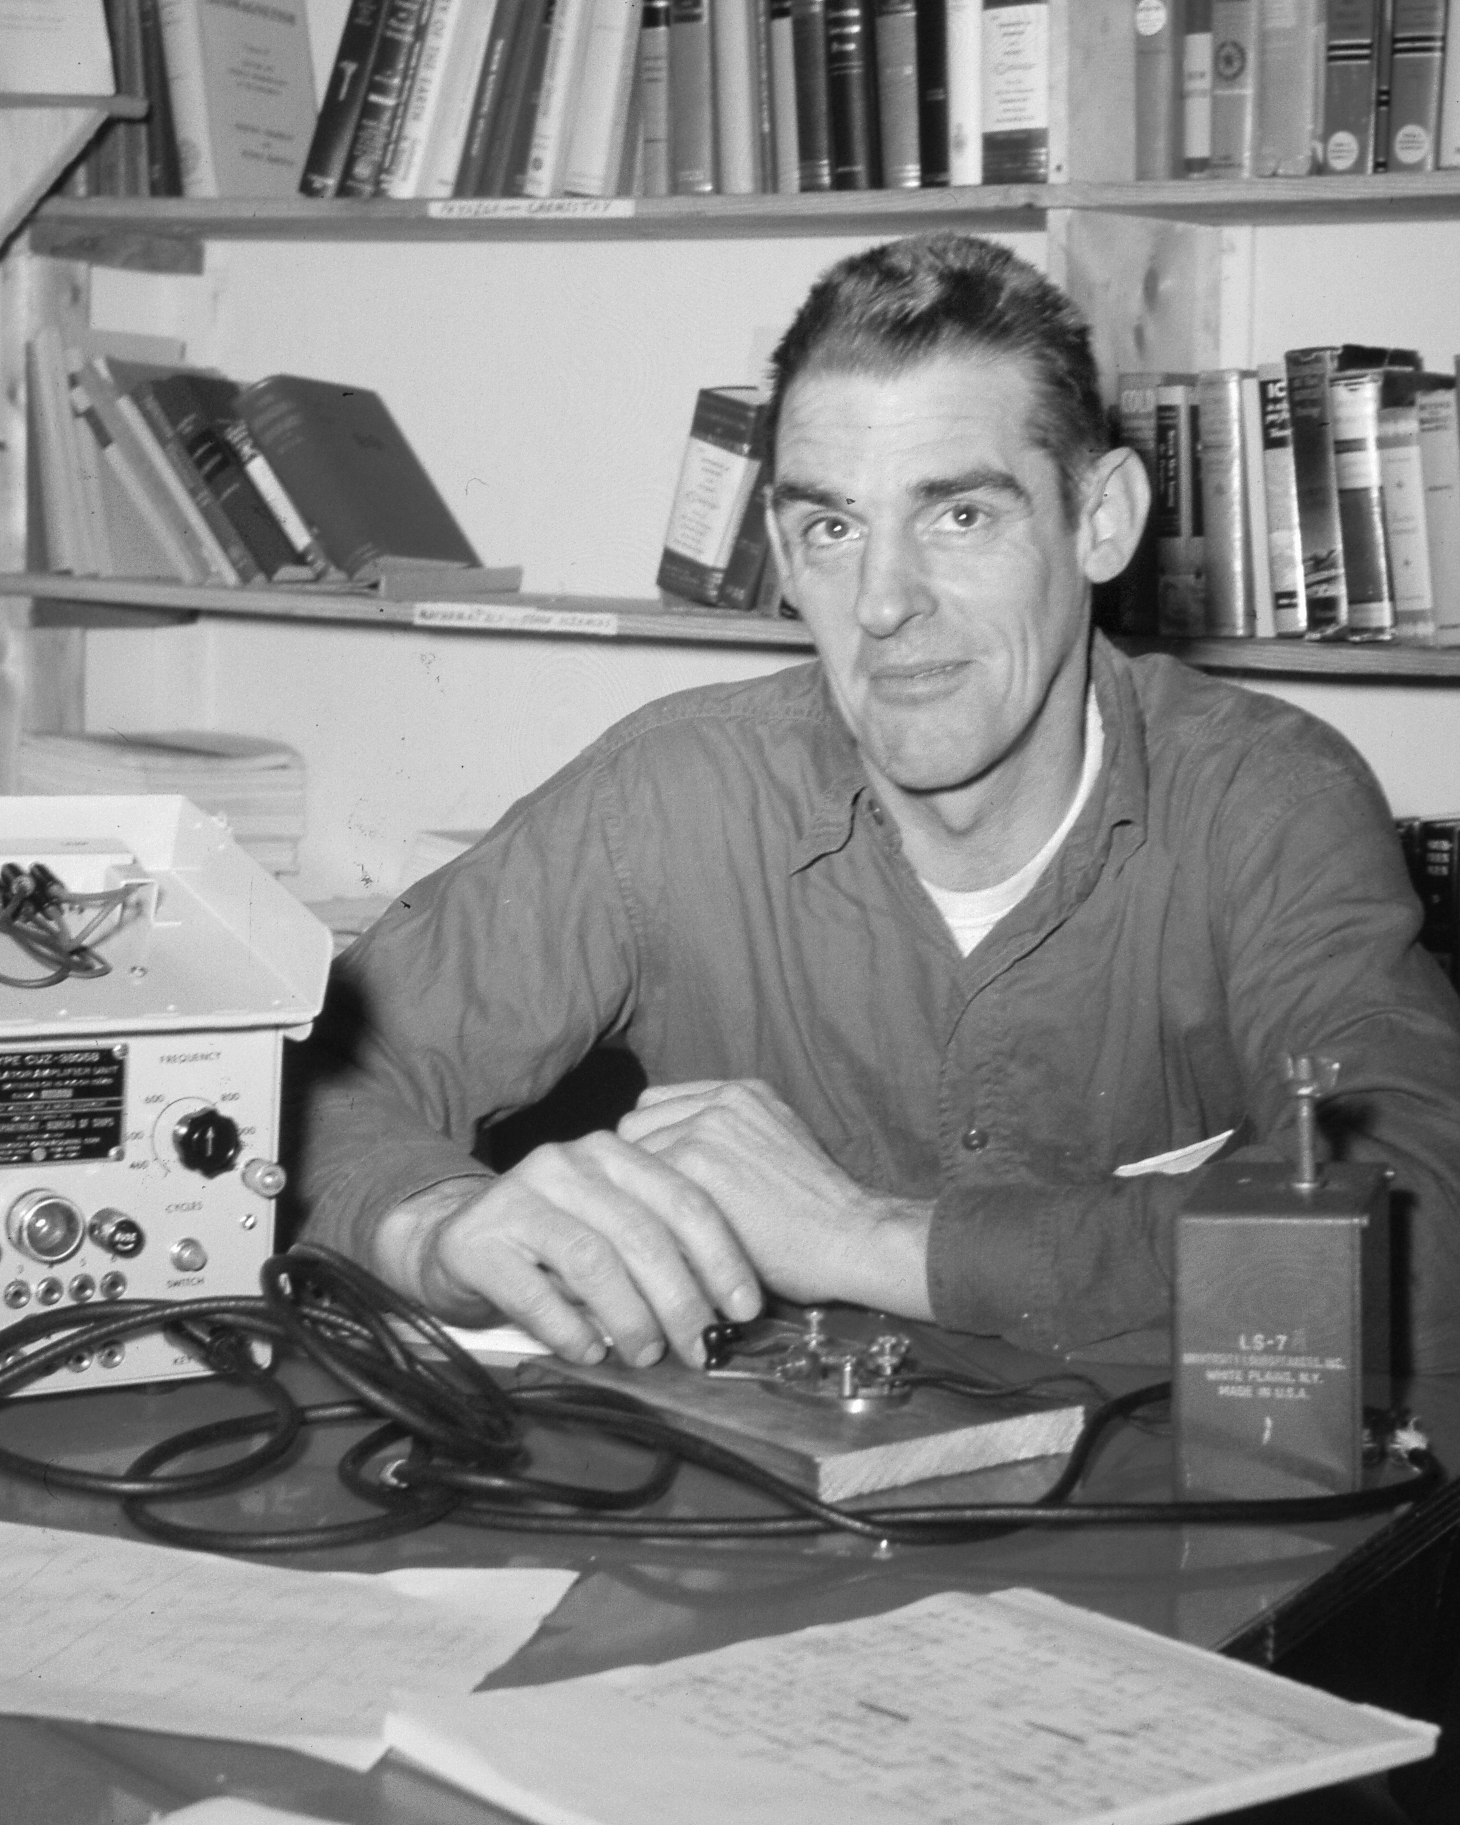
pixel 888 1272
pixel 404 1250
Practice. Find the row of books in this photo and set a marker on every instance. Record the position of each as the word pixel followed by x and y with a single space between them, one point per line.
pixel 1236 89
pixel 255 784
pixel 1317 497
pixel 148 468
pixel 717 548
pixel 1432 852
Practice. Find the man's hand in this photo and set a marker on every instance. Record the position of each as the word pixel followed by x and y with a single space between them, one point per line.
pixel 581 1242
pixel 812 1232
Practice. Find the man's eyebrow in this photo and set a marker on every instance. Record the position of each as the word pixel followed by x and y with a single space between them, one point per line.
pixel 783 493
pixel 979 480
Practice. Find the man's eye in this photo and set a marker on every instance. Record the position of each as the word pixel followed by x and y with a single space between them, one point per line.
pixel 962 516
pixel 830 529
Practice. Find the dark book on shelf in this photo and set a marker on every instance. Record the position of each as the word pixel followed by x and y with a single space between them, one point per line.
pixel 164 163
pixel 933 91
pixel 162 410
pixel 1136 413
pixel 1416 70
pixel 489 99
pixel 1354 399
pixel 1436 853
pixel 716 524
pixel 339 112
pixel 897 94
pixel 1383 74
pixel 1016 84
pixel 813 106
pixel 1349 85
pixel 517 145
pixel 851 88
pixel 353 476
pixel 1280 494
pixel 1309 414
pixel 385 94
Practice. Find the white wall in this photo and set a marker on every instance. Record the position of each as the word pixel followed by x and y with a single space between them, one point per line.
pixel 548 388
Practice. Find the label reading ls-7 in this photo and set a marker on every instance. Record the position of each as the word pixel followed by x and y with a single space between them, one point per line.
pixel 63 1105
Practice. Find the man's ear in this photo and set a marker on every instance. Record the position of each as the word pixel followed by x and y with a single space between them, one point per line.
pixel 1117 499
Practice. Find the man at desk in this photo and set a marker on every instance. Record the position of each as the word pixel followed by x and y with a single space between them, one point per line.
pixel 923 945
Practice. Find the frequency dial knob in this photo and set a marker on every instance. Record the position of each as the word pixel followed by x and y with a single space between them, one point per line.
pixel 207 1142
pixel 45 1226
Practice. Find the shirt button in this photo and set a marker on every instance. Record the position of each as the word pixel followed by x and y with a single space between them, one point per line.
pixel 975 1140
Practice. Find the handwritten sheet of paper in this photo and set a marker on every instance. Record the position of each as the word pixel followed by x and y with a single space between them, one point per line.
pixel 116 1632
pixel 1014 1709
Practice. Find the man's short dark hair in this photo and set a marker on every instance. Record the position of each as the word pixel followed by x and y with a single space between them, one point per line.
pixel 931 295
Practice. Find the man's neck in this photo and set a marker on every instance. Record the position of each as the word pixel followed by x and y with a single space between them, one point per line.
pixel 978 834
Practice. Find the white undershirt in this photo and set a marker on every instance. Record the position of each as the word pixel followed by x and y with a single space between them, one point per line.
pixel 973 915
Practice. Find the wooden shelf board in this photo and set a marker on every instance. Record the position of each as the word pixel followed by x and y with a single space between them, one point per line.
pixel 124 107
pixel 1292 201
pixel 1336 661
pixel 573 617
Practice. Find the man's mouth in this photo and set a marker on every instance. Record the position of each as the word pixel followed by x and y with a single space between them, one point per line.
pixel 918 679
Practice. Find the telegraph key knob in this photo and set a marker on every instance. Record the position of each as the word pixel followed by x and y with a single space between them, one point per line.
pixel 207 1142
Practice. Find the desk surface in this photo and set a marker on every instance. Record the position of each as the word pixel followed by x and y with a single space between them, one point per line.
pixel 1255 1591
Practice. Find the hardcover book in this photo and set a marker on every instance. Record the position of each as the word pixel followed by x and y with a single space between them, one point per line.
pixel 351 473
pixel 692 97
pixel 716 491
pixel 1414 83
pixel 897 93
pixel 1439 450
pixel 782 51
pixel 933 91
pixel 1196 89
pixel 1160 34
pixel 1351 77
pixel 737 136
pixel 164 166
pixel 1255 486
pixel 1236 43
pixel 1438 852
pixel 141 532
pixel 1015 92
pixel 505 97
pixel 339 113
pixel 1291 72
pixel 654 96
pixel 1280 494
pixel 1227 550
pixel 1138 587
pixel 1309 413
pixel 241 86
pixel 1401 476
pixel 469 30
pixel 851 69
pixel 813 107
pixel 963 99
pixel 1177 510
pixel 384 97
pixel 440 66
pixel 600 114
pixel 1354 419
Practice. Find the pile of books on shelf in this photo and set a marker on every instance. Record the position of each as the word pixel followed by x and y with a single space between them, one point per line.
pixel 1236 89
pixel 717 548
pixel 149 468
pixel 256 785
pixel 1316 497
pixel 1432 852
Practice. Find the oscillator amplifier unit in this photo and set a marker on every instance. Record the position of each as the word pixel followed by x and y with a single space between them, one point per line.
pixel 150 971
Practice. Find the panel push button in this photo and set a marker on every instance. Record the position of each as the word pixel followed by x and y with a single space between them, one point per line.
pixel 207 1142
pixel 974 1139
pixel 189 1256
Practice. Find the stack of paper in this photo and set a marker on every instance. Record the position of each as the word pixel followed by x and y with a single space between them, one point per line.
pixel 257 785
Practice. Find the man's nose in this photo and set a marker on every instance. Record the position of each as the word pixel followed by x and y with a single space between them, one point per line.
pixel 892 587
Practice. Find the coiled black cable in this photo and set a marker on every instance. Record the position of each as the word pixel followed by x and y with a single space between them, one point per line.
pixel 452 1443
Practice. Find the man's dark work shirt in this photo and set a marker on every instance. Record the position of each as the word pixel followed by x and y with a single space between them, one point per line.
pixel 714 882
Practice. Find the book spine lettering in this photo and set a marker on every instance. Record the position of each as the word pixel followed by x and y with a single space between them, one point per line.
pixel 1291 70
pixel 1255 485
pixel 1439 450
pixel 654 92
pixel 963 69
pixel 1354 416
pixel 1280 489
pixel 1348 97
pixel 463 54
pixel 1015 92
pixel 813 122
pixel 384 95
pixel 692 98
pixel 339 112
pixel 1196 89
pixel 1236 45
pixel 1401 475
pixel 1321 542
pixel 933 92
pixel 850 69
pixel 718 478
pixel 402 169
pixel 783 98
pixel 547 160
pixel 897 93
pixel 400 118
pixel 1158 36
pixel 184 54
pixel 1180 555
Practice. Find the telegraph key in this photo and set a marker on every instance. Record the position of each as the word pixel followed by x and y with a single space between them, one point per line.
pixel 150 971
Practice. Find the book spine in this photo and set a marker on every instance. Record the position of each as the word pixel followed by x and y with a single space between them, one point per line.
pixel 1180 553
pixel 557 97
pixel 599 121
pixel 280 429
pixel 1015 92
pixel 1227 556
pixel 504 84
pixel 339 114
pixel 1414 83
pixel 718 476
pixel 963 70
pixel 411 88
pixel 164 171
pixel 58 496
pixel 763 79
pixel 518 148
pixel 1324 588
pixel 135 469
pixel 1354 417
pixel 1196 89
pixel 783 98
pixel 384 95
pixel 1254 481
pixel 1280 491
pixel 747 560
pixel 187 84
pixel 1348 95
pixel 1138 588
pixel 1291 71
pixel 237 557
pixel 463 53
pixel 307 549
pixel 424 97
pixel 1447 140
pixel 850 73
pixel 737 135
pixel 1236 45
pixel 897 93
pixel 1439 450
pixel 692 98
pixel 813 123
pixel 1159 36
pixel 1383 74
pixel 1401 475
pixel 654 90
pixel 933 92
pixel 1439 852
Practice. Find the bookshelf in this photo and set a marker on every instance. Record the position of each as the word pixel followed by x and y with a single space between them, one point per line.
pixel 544 361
